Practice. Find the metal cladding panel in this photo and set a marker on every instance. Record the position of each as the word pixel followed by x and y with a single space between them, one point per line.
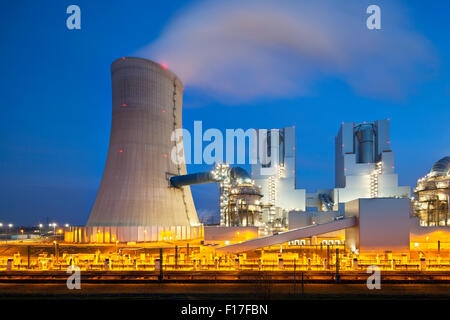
pixel 383 136
pixel 179 228
pixel 384 225
pixel 154 233
pixel 134 191
pixel 140 234
pixel 183 233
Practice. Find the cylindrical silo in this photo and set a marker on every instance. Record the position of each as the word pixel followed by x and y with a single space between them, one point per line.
pixel 135 190
pixel 365 137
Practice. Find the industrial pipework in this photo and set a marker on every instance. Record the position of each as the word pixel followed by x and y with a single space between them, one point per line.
pixel 239 197
pixel 237 174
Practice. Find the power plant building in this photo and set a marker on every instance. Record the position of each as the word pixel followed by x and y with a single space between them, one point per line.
pixel 275 174
pixel 135 201
pixel 365 163
pixel 145 195
pixel 364 167
pixel 432 195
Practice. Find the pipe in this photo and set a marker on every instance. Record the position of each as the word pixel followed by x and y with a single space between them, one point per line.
pixel 207 177
pixel 191 179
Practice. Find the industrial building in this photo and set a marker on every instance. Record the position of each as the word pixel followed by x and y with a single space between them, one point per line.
pixel 275 173
pixel 432 195
pixel 364 166
pixel 144 196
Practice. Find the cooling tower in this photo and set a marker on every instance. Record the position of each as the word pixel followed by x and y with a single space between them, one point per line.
pixel 135 201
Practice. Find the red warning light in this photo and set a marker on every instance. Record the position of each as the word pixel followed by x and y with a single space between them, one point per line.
pixel 164 111
pixel 120 150
pixel 164 66
pixel 124 105
pixel 165 155
pixel 123 58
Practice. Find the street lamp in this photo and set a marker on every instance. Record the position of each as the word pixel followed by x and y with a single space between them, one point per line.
pixel 10 226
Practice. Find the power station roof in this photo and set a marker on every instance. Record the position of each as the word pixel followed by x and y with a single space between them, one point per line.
pixel 162 67
pixel 441 167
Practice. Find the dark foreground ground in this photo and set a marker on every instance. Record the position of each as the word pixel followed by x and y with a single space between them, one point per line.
pixel 224 291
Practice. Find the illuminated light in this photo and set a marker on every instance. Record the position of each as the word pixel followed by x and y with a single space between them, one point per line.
pixel 227 242
pixel 393 167
pixel 123 58
pixel 124 105
pixel 164 111
pixel 120 150
pixel 165 155
pixel 164 66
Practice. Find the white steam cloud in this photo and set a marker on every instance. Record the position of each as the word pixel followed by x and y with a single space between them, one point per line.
pixel 242 50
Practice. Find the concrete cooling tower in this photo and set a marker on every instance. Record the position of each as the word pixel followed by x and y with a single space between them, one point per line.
pixel 135 201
